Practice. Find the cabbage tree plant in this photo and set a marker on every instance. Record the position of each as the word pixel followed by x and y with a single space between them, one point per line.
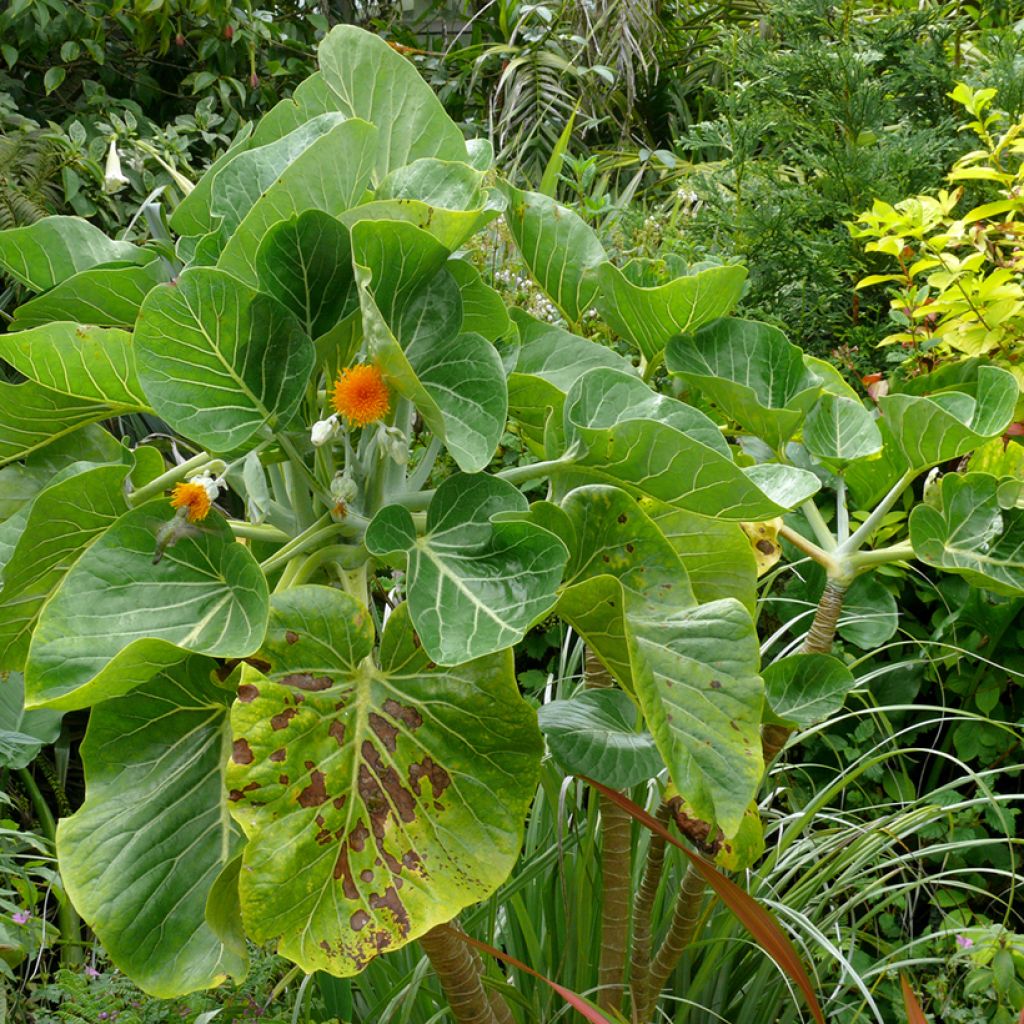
pixel 250 520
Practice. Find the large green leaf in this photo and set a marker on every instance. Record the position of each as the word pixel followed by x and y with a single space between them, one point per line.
pixel 118 617
pixel 329 175
pixel 695 673
pixel 595 734
pixel 139 857
pixel 692 668
pixel 80 361
pixel 449 185
pixel 804 689
pixel 650 315
pixel 661 448
pixel 23 733
pixel 558 247
pixel 32 417
pixel 948 424
pixel 218 359
pixel 840 430
pixel 749 369
pixel 306 263
pixel 62 522
pixel 474 585
pixel 450 228
pixel 371 81
pixel 976 532
pixel 378 799
pixel 483 309
pixel 105 296
pixel 239 184
pixel 620 563
pixel 548 363
pixel 718 556
pixel 51 250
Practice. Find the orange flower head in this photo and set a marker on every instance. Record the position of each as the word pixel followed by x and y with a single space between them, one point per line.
pixel 193 497
pixel 360 395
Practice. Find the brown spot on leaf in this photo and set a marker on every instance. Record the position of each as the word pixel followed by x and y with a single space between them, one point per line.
pixel 339 801
pixel 315 793
pixel 360 919
pixel 389 901
pixel 260 664
pixel 279 755
pixel 235 795
pixel 291 636
pixel 247 693
pixel 307 681
pixel 631 548
pixel 251 787
pixel 385 731
pixel 402 713
pixel 343 872
pixel 366 875
pixel 281 721
pixel 402 800
pixel 241 752
pixel 283 780
pixel 429 769
pixel 623 518
pixel 337 730
pixel 766 547
pixel 357 840
pixel 412 860
pixel 715 684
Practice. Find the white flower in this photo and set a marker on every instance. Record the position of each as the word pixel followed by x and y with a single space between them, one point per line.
pixel 395 443
pixel 113 179
pixel 324 431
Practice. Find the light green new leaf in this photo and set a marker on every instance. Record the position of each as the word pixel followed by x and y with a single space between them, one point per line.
pixel 371 81
pixel 650 316
pixel 749 369
pixel 839 430
pixel 51 250
pixel 23 733
pixel 948 424
pixel 661 448
pixel 78 360
pixel 105 296
pixel 972 533
pixel 62 522
pixel 139 857
pixel 239 185
pixel 804 689
pixel 558 247
pixel 329 175
pixel 474 585
pixel 448 227
pixel 549 361
pixel 118 618
pixel 306 263
pixel 594 734
pixel 379 800
pixel 218 359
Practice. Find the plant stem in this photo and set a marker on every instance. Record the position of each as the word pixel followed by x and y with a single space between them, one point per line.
pixel 679 935
pixel 819 640
pixel 643 908
pixel 165 480
pixel 881 556
pixel 258 531
pixel 67 917
pixel 863 533
pixel 818 525
pixel 842 512
pixel 421 474
pixel 616 874
pixel 453 963
pixel 809 548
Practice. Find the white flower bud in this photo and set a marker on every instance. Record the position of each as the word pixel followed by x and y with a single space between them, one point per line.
pixel 324 431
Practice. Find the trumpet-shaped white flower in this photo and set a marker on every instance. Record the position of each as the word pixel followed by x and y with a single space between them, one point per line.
pixel 113 179
pixel 324 431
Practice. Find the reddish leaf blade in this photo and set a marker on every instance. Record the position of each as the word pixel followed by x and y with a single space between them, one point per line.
pixel 577 1002
pixel 915 1015
pixel 761 925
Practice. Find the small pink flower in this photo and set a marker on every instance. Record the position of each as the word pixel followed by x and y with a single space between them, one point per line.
pixel 21 917
pixel 91 972
pixel 964 942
